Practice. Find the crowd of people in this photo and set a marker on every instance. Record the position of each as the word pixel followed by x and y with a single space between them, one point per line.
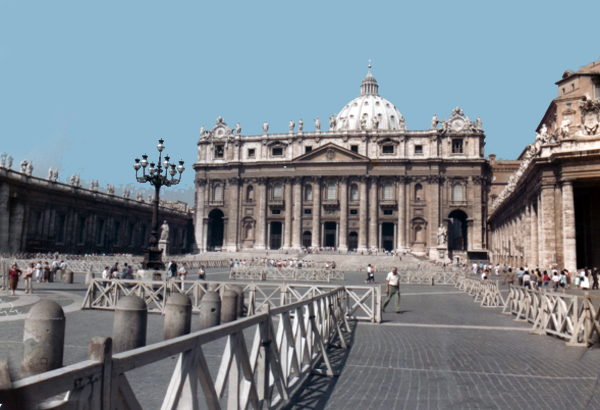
pixel 279 263
pixel 537 279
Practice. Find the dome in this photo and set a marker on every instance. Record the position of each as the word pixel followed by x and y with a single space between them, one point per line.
pixel 365 107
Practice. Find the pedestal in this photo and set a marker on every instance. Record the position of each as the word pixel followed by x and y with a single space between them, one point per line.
pixel 152 259
pixel 163 245
pixel 439 254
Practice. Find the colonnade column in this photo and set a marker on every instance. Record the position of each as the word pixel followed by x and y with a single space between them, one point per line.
pixel 233 210
pixel 373 214
pixel 4 216
pixel 287 239
pixel 548 235
pixel 400 229
pixel 362 213
pixel 316 212
pixel 527 236
pixel 199 218
pixel 16 228
pixel 477 214
pixel 297 222
pixel 568 219
pixel 262 217
pixel 434 206
pixel 343 225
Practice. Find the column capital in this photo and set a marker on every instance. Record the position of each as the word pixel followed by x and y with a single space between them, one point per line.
pixel 343 179
pixel 297 181
pixel 235 181
pixel 262 181
pixel 373 179
pixel 566 182
pixel 201 182
pixel 315 179
pixel 362 178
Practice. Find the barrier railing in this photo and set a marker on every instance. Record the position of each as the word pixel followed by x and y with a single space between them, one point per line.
pixel 486 292
pixel 362 302
pixel 263 273
pixel 283 353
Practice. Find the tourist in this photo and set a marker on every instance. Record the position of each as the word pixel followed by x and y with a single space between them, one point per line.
pixel 584 282
pixel 497 269
pixel 546 279
pixel 39 272
pixel 555 280
pixel 201 273
pixel 46 272
pixel 539 277
pixel 595 279
pixel 509 277
pixel 172 270
pixel 63 269
pixel 563 280
pixel 520 274
pixel 526 280
pixel 392 287
pixel 28 277
pixel 54 270
pixel 13 278
pixel 484 275
pixel 370 274
pixel 183 271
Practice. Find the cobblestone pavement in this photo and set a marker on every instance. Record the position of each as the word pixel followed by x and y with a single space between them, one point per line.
pixel 442 352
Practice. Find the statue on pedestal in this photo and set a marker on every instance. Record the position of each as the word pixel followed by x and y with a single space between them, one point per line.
pixel 50 174
pixel 300 125
pixel 434 122
pixel 29 170
pixel 375 121
pixel 332 122
pixel 442 235
pixel 401 123
pixel 478 122
pixel 291 125
pixel 317 124
pixel 9 162
pixel 3 160
pixel 238 129
pixel 265 127
pixel 164 231
pixel 55 175
pixel 24 166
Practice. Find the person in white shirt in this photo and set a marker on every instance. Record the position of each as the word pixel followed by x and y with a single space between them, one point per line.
pixel 63 269
pixel 106 275
pixel 183 272
pixel 392 287
pixel 39 271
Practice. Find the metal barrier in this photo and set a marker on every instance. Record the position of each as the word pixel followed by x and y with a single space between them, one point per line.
pixel 263 273
pixel 362 302
pixel 283 354
pixel 486 292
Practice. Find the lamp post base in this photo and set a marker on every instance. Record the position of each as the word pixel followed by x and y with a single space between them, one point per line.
pixel 153 259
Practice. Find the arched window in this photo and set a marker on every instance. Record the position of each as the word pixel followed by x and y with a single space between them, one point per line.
pixel 218 194
pixel 278 191
pixel 308 193
pixel 331 191
pixel 388 191
pixel 354 192
pixel 418 192
pixel 457 192
pixel 250 193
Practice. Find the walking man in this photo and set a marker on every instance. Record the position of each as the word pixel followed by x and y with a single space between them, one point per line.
pixel 392 287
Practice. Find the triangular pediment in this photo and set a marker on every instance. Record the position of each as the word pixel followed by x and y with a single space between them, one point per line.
pixel 330 153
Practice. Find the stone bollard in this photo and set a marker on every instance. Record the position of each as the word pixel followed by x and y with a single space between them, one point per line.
pixel 69 276
pixel 240 299
pixel 229 306
pixel 43 339
pixel 178 316
pixel 130 323
pixel 89 277
pixel 210 310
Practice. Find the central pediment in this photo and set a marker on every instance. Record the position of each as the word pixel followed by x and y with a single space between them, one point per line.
pixel 330 153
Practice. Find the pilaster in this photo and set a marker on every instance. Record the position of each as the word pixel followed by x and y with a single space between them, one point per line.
pixel 362 213
pixel 261 203
pixel 316 212
pixel 373 214
pixel 568 220
pixel 287 234
pixel 343 225
pixel 297 222
pixel 400 229
pixel 199 217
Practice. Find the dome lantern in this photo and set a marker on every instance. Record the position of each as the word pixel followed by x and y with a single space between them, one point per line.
pixel 369 84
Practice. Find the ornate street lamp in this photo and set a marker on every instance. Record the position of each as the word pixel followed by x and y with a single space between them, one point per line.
pixel 153 255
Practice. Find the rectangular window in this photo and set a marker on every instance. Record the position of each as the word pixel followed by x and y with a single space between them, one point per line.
pixel 219 151
pixel 331 191
pixel 388 212
pixel 276 211
pixel 354 212
pixel 418 149
pixel 251 153
pixel 387 149
pixel 308 212
pixel 457 146
pixel 354 148
pixel 277 152
pixel 307 149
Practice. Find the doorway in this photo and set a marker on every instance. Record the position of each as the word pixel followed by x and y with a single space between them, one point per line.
pixel 330 234
pixel 214 235
pixel 457 231
pixel 276 229
pixel 387 236
pixel 307 239
pixel 352 241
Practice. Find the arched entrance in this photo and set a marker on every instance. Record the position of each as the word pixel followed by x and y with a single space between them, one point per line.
pixel 307 239
pixel 214 235
pixel 352 241
pixel 457 231
pixel 387 236
pixel 276 230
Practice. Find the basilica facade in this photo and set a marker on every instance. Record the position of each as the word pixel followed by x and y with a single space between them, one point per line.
pixel 367 182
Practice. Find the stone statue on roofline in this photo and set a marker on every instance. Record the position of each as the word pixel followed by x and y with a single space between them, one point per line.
pixel 29 169
pixel 478 123
pixel 49 178
pixel 9 162
pixel 331 122
pixel 23 166
pixel 291 125
pixel 434 122
pixel 265 127
pixel 300 125
pixel 55 175
pixel 3 160
pixel 401 123
pixel 238 129
pixel 375 122
pixel 317 124
pixel 164 231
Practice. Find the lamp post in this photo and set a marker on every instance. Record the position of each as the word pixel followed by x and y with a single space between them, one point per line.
pixel 153 255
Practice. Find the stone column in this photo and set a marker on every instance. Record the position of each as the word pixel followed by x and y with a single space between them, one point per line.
pixel 269 235
pixel 477 214
pixel 527 236
pixel 261 203
pixel 287 238
pixel 297 222
pixel 540 230
pixel 373 220
pixel 16 227
pixel 199 210
pixel 4 216
pixel 362 214
pixel 233 217
pixel 568 219
pixel 343 225
pixel 434 207
pixel 548 216
pixel 316 212
pixel 400 228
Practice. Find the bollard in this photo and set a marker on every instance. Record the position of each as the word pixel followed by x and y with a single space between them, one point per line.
pixel 210 310
pixel 178 315
pixel 89 277
pixel 240 300
pixel 130 323
pixel 43 339
pixel 69 276
pixel 229 306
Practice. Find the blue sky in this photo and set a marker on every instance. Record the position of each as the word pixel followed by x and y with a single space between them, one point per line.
pixel 89 86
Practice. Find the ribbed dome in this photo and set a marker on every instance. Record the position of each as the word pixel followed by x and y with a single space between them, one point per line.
pixel 367 105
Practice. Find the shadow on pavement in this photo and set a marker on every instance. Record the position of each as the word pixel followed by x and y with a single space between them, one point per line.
pixel 316 390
